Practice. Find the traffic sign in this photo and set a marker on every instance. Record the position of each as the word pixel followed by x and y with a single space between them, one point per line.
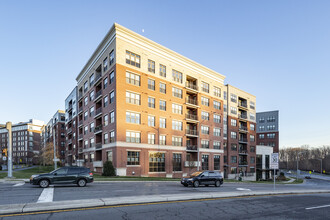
pixel 56 159
pixel 4 158
pixel 274 161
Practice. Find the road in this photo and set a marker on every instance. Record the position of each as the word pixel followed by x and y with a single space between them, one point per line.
pixel 314 206
pixel 13 193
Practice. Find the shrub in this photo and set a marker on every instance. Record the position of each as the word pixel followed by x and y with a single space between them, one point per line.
pixel 108 169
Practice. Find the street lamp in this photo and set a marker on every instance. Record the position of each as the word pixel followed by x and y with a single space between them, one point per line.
pixel 321 165
pixel 298 160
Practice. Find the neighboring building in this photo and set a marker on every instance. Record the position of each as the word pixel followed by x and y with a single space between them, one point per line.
pixel 71 123
pixel 263 162
pixel 268 129
pixel 154 112
pixel 26 141
pixel 57 122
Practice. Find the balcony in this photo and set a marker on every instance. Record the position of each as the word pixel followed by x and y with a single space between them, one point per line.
pixel 80 110
pixel 97 78
pixel 244 140
pixel 80 150
pixel 98 112
pixel 80 123
pixel 98 163
pixel 69 108
pixel 191 147
pixel 190 132
pixel 69 131
pixel 242 151
pixel 192 117
pixel 242 129
pixel 98 95
pixel 191 163
pixel 69 118
pixel 69 152
pixel 242 105
pixel 98 129
pixel 193 102
pixel 80 96
pixel 191 86
pixel 98 145
pixel 243 163
pixel 80 137
pixel 69 141
pixel 242 116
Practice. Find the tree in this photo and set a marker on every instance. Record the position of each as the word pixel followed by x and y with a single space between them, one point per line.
pixel 47 155
pixel 108 169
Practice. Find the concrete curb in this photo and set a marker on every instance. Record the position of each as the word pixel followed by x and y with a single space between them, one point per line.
pixel 86 203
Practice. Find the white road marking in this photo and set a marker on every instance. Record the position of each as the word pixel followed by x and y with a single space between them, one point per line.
pixel 46 195
pixel 243 189
pixel 319 207
pixel 19 184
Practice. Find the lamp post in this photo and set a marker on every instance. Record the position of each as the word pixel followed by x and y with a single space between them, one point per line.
pixel 321 165
pixel 298 160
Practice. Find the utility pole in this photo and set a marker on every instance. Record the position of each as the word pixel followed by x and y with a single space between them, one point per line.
pixel 55 160
pixel 321 165
pixel 8 126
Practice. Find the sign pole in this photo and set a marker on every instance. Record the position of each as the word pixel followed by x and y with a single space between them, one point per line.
pixel 274 179
pixel 274 165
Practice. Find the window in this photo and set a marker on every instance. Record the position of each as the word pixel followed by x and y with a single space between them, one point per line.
pixel 157 162
pixel 133 158
pixel 106 120
pixel 85 86
pixel 151 84
pixel 133 137
pixel 177 109
pixel 112 57
pixel 151 102
pixel 262 120
pixel 162 70
pixel 105 83
pixel 233 147
pixel 176 76
pixel 205 101
pixel 205 116
pixel 205 162
pixel 233 97
pixel 92 127
pixel 205 87
pixel 133 98
pixel 106 101
pixel 217 132
pixel 252 170
pixel 91 79
pixel 252 149
pixel 233 170
pixel 105 64
pixel 270 127
pixel 92 142
pixel 217 105
pixel 233 159
pixel 216 144
pixel 151 66
pixel 132 59
pixel 225 108
pixel 162 105
pixel 151 138
pixel 217 91
pixel 271 136
pixel 109 155
pixel 132 78
pixel 112 117
pixel 205 143
pixel 133 117
pixel 177 125
pixel 151 121
pixel 106 138
pixel 112 97
pixel 252 117
pixel 252 139
pixel 252 127
pixel 271 119
pixel 91 95
pixel 112 136
pixel 252 105
pixel 162 88
pixel 177 141
pixel 162 122
pixel 205 129
pixel 233 122
pixel 216 162
pixel 91 111
pixel 216 118
pixel 233 110
pixel 224 95
pixel 233 135
pixel 86 100
pixel 261 136
pixel 262 128
pixel 177 92
pixel 162 139
pixel 177 162
pixel 252 159
pixel 85 115
pixel 112 77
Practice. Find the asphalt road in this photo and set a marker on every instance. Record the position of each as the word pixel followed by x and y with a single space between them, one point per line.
pixel 13 193
pixel 314 206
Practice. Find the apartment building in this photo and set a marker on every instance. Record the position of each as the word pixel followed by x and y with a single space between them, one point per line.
pixel 154 112
pixel 263 162
pixel 56 126
pixel 26 142
pixel 268 129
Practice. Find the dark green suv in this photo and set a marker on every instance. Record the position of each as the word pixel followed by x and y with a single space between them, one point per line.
pixel 64 175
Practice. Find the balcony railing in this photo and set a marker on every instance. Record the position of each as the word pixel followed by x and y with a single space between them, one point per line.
pixel 98 129
pixel 192 101
pixel 242 151
pixel 242 116
pixel 98 95
pixel 69 130
pixel 191 85
pixel 242 104
pixel 191 147
pixel 81 122
pixel 80 150
pixel 69 108
pixel 80 109
pixel 80 136
pixel 98 111
pixel 242 128
pixel 191 132
pixel 242 163
pixel 242 140
pixel 98 145
pixel 70 141
pixel 97 78
pixel 192 117
pixel 80 95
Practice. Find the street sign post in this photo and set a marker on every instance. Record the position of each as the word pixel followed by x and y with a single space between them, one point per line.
pixel 274 164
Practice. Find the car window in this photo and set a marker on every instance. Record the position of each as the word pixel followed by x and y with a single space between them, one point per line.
pixel 73 170
pixel 212 174
pixel 195 174
pixel 62 171
pixel 206 174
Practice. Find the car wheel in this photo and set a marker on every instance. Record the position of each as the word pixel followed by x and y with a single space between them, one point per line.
pixel 217 183
pixel 44 183
pixel 196 184
pixel 81 182
pixel 186 185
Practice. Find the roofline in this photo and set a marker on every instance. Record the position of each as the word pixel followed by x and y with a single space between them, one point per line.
pixel 268 111
pixel 241 90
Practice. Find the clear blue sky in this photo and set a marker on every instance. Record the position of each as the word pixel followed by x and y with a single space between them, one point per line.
pixel 277 50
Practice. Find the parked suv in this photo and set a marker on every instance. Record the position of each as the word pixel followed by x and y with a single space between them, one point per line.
pixel 64 175
pixel 203 178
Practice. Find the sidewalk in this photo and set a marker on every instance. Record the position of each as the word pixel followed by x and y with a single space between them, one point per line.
pixel 73 204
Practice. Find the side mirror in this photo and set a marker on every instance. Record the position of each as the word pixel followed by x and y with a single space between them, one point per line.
pixel 55 174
